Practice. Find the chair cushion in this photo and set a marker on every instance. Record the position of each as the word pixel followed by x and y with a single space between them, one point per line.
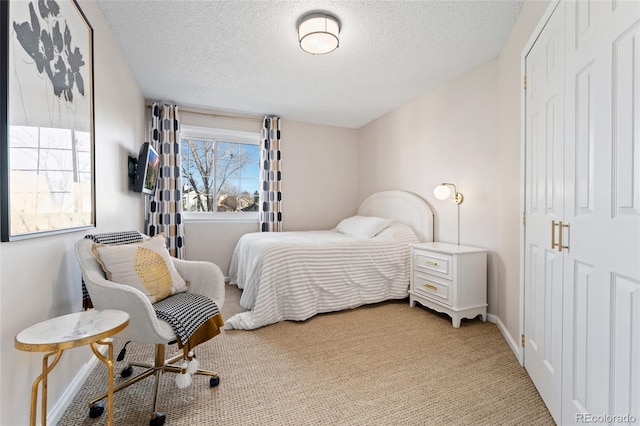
pixel 146 266
pixel 124 237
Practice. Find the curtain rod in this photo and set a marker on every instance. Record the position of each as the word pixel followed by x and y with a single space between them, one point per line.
pixel 215 114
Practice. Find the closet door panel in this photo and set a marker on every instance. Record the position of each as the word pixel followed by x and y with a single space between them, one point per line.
pixel 588 177
pixel 580 359
pixel 601 198
pixel 584 142
pixel 626 124
pixel 585 319
pixel 624 202
pixel 625 369
pixel 544 204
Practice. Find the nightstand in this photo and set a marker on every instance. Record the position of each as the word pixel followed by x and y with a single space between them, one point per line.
pixel 449 278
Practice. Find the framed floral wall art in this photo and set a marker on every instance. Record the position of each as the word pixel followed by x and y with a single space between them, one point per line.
pixel 46 119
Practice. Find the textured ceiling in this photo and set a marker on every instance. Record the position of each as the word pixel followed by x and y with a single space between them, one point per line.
pixel 243 56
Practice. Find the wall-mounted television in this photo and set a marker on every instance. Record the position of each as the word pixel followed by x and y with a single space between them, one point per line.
pixel 145 177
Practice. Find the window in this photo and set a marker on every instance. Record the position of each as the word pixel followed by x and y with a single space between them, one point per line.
pixel 220 173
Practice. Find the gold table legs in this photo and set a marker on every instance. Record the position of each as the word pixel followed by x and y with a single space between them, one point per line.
pixel 108 361
pixel 46 369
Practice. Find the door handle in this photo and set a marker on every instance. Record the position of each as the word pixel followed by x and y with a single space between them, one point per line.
pixel 560 226
pixel 559 245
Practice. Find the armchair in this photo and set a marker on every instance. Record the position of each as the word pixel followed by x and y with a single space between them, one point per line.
pixel 205 278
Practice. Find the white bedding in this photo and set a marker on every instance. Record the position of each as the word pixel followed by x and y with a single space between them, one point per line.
pixel 295 275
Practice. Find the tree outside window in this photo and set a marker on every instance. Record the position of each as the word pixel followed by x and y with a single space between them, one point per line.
pixel 219 175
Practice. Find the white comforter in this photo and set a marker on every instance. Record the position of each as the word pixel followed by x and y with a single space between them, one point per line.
pixel 295 275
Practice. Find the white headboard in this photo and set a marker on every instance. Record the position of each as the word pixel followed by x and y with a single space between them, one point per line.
pixel 403 207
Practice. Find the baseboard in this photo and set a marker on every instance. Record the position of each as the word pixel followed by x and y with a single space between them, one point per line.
pixel 515 347
pixel 61 405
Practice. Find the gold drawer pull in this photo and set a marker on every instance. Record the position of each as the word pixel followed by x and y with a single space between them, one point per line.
pixel 432 263
pixel 431 287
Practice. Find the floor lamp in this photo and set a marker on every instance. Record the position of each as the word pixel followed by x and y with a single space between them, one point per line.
pixel 443 191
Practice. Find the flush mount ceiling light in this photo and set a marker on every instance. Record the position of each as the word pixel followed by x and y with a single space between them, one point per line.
pixel 318 33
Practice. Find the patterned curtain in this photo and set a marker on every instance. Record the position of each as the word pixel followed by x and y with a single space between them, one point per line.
pixel 164 211
pixel 270 195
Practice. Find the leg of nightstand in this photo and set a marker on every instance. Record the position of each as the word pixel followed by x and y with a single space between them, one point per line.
pixel 455 320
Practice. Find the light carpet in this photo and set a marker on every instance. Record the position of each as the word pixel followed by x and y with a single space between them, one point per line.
pixel 383 364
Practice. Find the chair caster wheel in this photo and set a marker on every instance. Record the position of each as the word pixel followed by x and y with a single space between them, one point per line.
pixel 97 410
pixel 158 420
pixel 127 371
pixel 214 381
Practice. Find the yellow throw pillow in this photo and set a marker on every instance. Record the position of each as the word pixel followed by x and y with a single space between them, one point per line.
pixel 146 266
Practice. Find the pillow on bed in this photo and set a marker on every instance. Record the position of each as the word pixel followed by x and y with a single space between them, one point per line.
pixel 363 226
pixel 146 266
pixel 399 231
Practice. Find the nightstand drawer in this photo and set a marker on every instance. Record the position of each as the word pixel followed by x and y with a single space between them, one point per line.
pixel 432 287
pixel 438 263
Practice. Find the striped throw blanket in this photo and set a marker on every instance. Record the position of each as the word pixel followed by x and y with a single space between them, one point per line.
pixel 186 313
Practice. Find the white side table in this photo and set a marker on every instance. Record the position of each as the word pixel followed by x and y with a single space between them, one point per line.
pixel 70 331
pixel 449 278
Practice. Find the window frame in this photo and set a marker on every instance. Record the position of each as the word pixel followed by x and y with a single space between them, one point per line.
pixel 224 135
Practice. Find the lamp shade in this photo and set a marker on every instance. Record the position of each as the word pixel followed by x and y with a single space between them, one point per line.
pixel 318 33
pixel 442 192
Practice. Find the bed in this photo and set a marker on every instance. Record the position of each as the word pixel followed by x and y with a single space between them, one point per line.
pixel 364 260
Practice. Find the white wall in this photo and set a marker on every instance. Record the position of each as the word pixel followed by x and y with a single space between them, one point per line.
pixel 448 135
pixel 219 120
pixel 39 278
pixel 320 172
pixel 319 179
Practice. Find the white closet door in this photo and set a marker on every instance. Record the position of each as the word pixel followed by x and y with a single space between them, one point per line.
pixel 544 204
pixel 601 323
